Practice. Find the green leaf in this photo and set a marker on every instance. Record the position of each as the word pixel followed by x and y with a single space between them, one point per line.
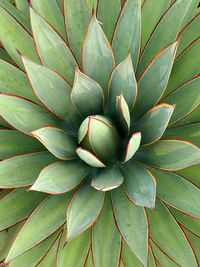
pixel 122 81
pixel 190 12
pixel 129 257
pixel 153 82
pixel 51 13
pixel 61 177
pixel 172 189
pixel 77 18
pixel 98 57
pixel 192 174
pixel 23 20
pixel 53 51
pixel 139 184
pixel 107 14
pixel 19 113
pixel 32 257
pixel 191 117
pixel 149 21
pixel 154 123
pixel 107 179
pixel 17 205
pixel 17 83
pixel 89 262
pixel 14 142
pixel 16 39
pixel 57 142
pixel 23 170
pixel 166 232
pixel 132 224
pixel 185 67
pixel 186 98
pixel 5 56
pixel 46 82
pixel 169 24
pixel 195 241
pixel 74 253
pixel 23 6
pixel 122 115
pixel 49 216
pixel 104 232
pixel 132 146
pixel 188 222
pixel 85 89
pixel 90 202
pixel 89 158
pixel 169 155
pixel 190 132
pixel 92 4
pixel 126 39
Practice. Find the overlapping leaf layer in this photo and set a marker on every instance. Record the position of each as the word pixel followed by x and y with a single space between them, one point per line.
pixel 99 133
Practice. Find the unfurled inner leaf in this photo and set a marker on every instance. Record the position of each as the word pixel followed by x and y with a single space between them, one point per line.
pixel 132 146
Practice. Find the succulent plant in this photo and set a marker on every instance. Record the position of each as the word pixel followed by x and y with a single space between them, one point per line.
pixel 99 133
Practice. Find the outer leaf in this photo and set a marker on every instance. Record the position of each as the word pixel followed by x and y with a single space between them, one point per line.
pixel 132 223
pixel 75 252
pixel 190 132
pixel 185 68
pixel 46 82
pixel 168 183
pixel 132 146
pixel 90 202
pixel 15 39
pixel 23 170
pixel 192 174
pixel 51 13
pixel 157 8
pixel 105 251
pixel 129 257
pixel 53 51
pixel 191 118
pixel 57 142
pixel 107 179
pixel 186 99
pixel 168 235
pixel 153 82
pixel 19 113
pixel 126 39
pixel 169 155
pixel 107 14
pixel 61 177
pixel 190 12
pixel 122 115
pixel 195 241
pixel 14 142
pixel 122 82
pixel 30 236
pixel 98 58
pixel 85 89
pixel 154 123
pixel 5 56
pixel 23 6
pixel 17 83
pixel 77 18
pixel 140 185
pixel 17 205
pixel 89 158
pixel 170 24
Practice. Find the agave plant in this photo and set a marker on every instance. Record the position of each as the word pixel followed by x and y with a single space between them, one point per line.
pixel 100 133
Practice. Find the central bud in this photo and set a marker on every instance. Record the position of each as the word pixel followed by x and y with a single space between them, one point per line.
pixel 98 135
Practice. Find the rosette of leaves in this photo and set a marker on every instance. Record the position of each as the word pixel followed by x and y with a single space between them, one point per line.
pixel 100 133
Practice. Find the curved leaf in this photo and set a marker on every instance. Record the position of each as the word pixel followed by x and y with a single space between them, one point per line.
pixel 192 174
pixel 30 236
pixel 122 115
pixel 19 113
pixel 90 202
pixel 57 142
pixel 132 146
pixel 105 251
pixel 129 257
pixel 192 117
pixel 132 224
pixel 166 232
pixel 154 123
pixel 23 170
pixel 60 177
pixel 53 51
pixel 107 179
pixel 139 184
pixel 169 155
pixel 127 39
pixel 89 158
pixel 85 89
pixel 98 58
